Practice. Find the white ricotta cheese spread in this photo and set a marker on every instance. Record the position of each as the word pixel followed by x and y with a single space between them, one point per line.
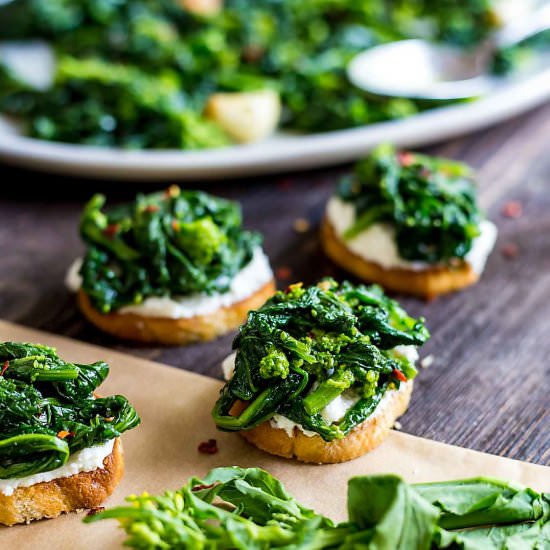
pixel 248 280
pixel 228 365
pixel 73 280
pixel 512 10
pixel 85 460
pixel 482 246
pixel 407 352
pixel 283 423
pixel 377 243
pixel 337 408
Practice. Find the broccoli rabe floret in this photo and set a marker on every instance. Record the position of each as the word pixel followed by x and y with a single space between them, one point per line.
pixel 332 342
pixel 201 239
pixel 274 364
pixel 341 380
pixel 370 385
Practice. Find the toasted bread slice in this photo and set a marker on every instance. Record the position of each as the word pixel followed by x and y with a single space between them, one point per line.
pixel 163 330
pixel 427 283
pixel 50 499
pixel 359 441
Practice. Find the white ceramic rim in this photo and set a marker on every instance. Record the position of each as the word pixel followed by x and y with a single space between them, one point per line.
pixel 283 152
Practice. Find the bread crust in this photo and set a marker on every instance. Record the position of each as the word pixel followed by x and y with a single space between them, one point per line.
pixel 50 499
pixel 163 330
pixel 360 440
pixel 427 283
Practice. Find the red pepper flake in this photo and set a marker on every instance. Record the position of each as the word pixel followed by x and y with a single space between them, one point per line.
pixel 172 192
pixel 425 173
pixel 252 53
pixel 5 368
pixel 284 185
pixel 324 285
pixel 151 208
pixel 510 250
pixel 64 433
pixel 112 229
pixel 512 209
pixel 399 375
pixel 202 487
pixel 284 273
pixel 301 225
pixel 95 510
pixel 109 418
pixel 405 158
pixel 290 288
pixel 209 447
pixel 175 225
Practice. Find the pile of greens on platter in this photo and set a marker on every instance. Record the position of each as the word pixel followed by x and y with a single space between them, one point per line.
pixel 137 73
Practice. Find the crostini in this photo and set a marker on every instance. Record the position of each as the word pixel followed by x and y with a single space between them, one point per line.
pixel 59 443
pixel 410 223
pixel 172 268
pixel 320 373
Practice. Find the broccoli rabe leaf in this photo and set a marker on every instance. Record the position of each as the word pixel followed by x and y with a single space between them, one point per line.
pixel 256 513
pixel 263 495
pixel 391 512
pixel 480 500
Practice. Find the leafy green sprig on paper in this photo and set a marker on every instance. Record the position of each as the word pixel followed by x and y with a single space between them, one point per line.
pixel 241 509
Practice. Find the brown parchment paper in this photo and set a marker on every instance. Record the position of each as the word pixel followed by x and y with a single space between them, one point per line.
pixel 162 452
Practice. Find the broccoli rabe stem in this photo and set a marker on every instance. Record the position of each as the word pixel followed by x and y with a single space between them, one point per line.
pixel 365 220
pixel 94 227
pixel 39 368
pixel 328 391
pixel 262 407
pixel 251 416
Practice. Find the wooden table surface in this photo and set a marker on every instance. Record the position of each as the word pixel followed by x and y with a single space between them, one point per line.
pixel 488 386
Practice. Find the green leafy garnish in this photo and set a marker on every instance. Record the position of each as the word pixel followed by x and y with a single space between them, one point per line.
pixel 306 346
pixel 48 410
pixel 174 243
pixel 234 508
pixel 429 202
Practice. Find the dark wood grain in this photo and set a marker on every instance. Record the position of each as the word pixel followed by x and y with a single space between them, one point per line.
pixel 488 387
